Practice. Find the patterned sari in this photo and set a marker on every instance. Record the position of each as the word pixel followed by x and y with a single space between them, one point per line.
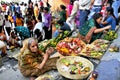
pixel 87 31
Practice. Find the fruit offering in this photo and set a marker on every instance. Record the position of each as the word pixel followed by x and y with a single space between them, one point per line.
pixel 75 67
pixel 110 35
pixel 42 45
pixel 53 42
pixel 70 46
pixel 101 44
pixel 114 49
pixel 96 49
pixel 91 51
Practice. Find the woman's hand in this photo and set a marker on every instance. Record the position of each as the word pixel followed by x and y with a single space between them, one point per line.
pixel 105 31
pixel 49 29
pixel 49 50
pixel 46 56
pixel 107 27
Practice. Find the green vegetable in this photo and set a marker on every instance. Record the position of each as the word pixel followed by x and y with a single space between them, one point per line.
pixel 73 68
pixel 110 35
pixel 80 63
pixel 66 62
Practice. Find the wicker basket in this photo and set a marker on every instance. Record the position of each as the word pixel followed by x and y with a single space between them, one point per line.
pixel 74 76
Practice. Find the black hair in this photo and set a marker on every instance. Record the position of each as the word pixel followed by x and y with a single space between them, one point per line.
pixel 37 32
pixel 62 7
pixel 110 10
pixel 46 8
pixel 18 15
pixel 40 17
pixel 36 4
pixel 95 17
pixel 39 35
pixel 61 22
pixel 25 4
pixel 6 16
pixel 71 2
pixel 42 8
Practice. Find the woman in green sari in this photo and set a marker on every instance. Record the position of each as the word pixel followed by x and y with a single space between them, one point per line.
pixel 91 30
pixel 63 13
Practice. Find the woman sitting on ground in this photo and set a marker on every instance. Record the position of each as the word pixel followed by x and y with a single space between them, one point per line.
pixel 92 30
pixel 32 62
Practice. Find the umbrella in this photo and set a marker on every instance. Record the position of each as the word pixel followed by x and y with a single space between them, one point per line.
pixel 23 31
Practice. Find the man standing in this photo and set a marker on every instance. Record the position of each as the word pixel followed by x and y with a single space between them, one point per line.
pixel 84 7
pixel 97 6
pixel 1 22
pixel 116 6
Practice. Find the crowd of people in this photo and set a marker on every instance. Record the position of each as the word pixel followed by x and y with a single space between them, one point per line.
pixel 20 22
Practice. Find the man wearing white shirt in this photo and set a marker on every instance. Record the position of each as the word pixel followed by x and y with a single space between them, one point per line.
pixel 40 26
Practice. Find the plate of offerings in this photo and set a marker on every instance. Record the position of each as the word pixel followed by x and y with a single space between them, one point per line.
pixel 74 67
pixel 70 46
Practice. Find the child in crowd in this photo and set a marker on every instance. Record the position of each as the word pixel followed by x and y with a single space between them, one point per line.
pixel 13 40
pixel 110 19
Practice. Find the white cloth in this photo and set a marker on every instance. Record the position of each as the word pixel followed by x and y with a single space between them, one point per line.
pixel 22 8
pixel 1 20
pixel 40 26
pixel 84 4
pixel 7 9
pixel 2 44
pixel 43 18
pixel 74 10
pixel 7 23
pixel 7 36
pixel 70 20
pixel 98 2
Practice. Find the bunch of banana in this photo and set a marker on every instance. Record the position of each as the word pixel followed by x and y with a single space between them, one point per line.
pixel 110 35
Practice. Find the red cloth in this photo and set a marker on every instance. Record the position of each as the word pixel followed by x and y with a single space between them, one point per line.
pixel 41 3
